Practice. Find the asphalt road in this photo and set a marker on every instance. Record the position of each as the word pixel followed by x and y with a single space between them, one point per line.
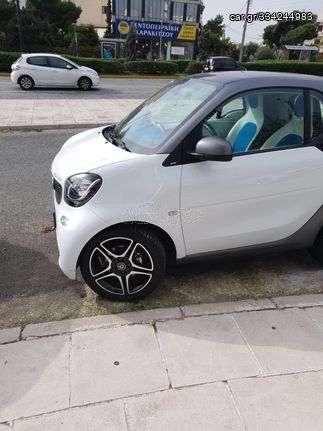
pixel 116 88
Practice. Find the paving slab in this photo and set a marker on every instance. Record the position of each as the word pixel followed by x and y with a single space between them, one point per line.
pixel 228 307
pixel 96 322
pixel 34 377
pixel 4 427
pixel 9 335
pixel 284 341
pixel 204 408
pixel 112 363
pixel 102 417
pixel 205 349
pixel 280 403
pixel 316 314
pixel 299 301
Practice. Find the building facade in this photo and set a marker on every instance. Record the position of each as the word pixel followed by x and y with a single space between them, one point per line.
pixel 165 28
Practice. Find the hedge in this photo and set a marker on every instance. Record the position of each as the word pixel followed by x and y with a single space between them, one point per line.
pixel 194 67
pixel 152 67
pixel 311 68
pixel 100 65
pixel 6 60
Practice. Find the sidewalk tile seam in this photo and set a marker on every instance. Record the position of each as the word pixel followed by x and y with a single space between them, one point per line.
pixel 317 324
pixel 126 416
pixel 235 404
pixel 253 354
pixel 69 369
pixel 162 355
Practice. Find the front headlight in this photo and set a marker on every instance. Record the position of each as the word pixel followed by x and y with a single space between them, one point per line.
pixel 80 188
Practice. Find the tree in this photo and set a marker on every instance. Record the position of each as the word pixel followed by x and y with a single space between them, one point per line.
pixel 8 25
pixel 130 45
pixel 264 53
pixel 86 35
pixel 216 25
pixel 251 48
pixel 60 14
pixel 273 34
pixel 108 20
pixel 299 34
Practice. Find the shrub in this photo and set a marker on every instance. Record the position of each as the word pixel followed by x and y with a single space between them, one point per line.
pixel 182 65
pixel 152 67
pixel 306 67
pixel 194 67
pixel 264 53
pixel 100 65
pixel 6 60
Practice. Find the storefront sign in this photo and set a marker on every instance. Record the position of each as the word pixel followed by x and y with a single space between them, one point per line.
pixel 178 50
pixel 154 30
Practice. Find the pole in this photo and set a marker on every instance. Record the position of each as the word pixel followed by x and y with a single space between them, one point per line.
pixel 244 31
pixel 19 25
pixel 76 44
pixel 161 31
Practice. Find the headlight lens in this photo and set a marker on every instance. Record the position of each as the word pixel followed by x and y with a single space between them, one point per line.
pixel 80 188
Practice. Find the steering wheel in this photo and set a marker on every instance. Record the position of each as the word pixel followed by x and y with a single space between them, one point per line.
pixel 210 130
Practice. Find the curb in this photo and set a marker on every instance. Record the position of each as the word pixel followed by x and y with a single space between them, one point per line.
pixel 47 329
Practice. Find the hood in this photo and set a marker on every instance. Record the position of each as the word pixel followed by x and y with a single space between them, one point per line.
pixel 86 152
pixel 87 69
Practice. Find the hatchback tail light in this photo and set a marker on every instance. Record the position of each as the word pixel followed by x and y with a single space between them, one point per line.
pixel 15 67
pixel 213 68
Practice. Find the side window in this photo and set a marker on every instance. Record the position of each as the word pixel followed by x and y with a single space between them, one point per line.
pixel 37 60
pixel 228 64
pixel 316 118
pixel 57 62
pixel 259 120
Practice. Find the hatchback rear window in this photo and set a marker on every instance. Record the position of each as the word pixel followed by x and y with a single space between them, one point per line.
pixel 37 60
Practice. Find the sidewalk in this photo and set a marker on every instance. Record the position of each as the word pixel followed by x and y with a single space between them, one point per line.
pixel 247 365
pixel 63 113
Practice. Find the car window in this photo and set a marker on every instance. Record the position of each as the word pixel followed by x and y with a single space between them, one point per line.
pixel 146 128
pixel 38 60
pixel 228 63
pixel 57 62
pixel 316 118
pixel 261 120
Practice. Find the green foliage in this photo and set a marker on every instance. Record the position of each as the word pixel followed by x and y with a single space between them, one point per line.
pixel 216 25
pixel 311 68
pixel 130 46
pixel 152 67
pixel 273 34
pixel 108 20
pixel 299 34
pixel 250 48
pixel 6 60
pixel 194 67
pixel 181 65
pixel 264 53
pixel 100 65
pixel 86 35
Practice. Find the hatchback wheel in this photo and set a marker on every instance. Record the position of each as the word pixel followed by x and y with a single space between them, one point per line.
pixel 316 251
pixel 123 264
pixel 85 83
pixel 26 82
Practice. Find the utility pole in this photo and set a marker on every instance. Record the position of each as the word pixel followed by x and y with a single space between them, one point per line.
pixel 19 26
pixel 164 10
pixel 244 30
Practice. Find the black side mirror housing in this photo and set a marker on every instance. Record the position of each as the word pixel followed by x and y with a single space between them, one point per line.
pixel 213 148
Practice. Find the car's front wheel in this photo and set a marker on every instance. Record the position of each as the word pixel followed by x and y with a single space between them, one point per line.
pixel 123 264
pixel 26 82
pixel 84 83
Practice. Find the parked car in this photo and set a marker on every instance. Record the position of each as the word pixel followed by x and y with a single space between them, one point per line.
pixel 221 64
pixel 210 165
pixel 49 70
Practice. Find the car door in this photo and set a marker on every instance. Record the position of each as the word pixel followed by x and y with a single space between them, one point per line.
pixel 39 69
pixel 62 72
pixel 267 192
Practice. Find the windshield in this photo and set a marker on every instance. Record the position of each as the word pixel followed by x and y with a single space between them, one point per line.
pixel 145 130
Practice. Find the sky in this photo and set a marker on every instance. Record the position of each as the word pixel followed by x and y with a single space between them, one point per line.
pixel 233 29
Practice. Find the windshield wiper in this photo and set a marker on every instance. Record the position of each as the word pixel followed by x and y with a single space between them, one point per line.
pixel 113 138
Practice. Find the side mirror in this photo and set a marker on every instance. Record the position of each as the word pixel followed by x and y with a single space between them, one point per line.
pixel 69 67
pixel 213 148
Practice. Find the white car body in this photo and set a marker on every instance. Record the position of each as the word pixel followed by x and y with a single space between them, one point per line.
pixel 45 74
pixel 261 199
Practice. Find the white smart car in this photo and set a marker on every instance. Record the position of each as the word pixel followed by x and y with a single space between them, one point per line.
pixel 50 70
pixel 212 164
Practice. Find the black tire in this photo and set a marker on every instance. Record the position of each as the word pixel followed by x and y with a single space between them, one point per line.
pixel 84 83
pixel 123 264
pixel 316 251
pixel 26 83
